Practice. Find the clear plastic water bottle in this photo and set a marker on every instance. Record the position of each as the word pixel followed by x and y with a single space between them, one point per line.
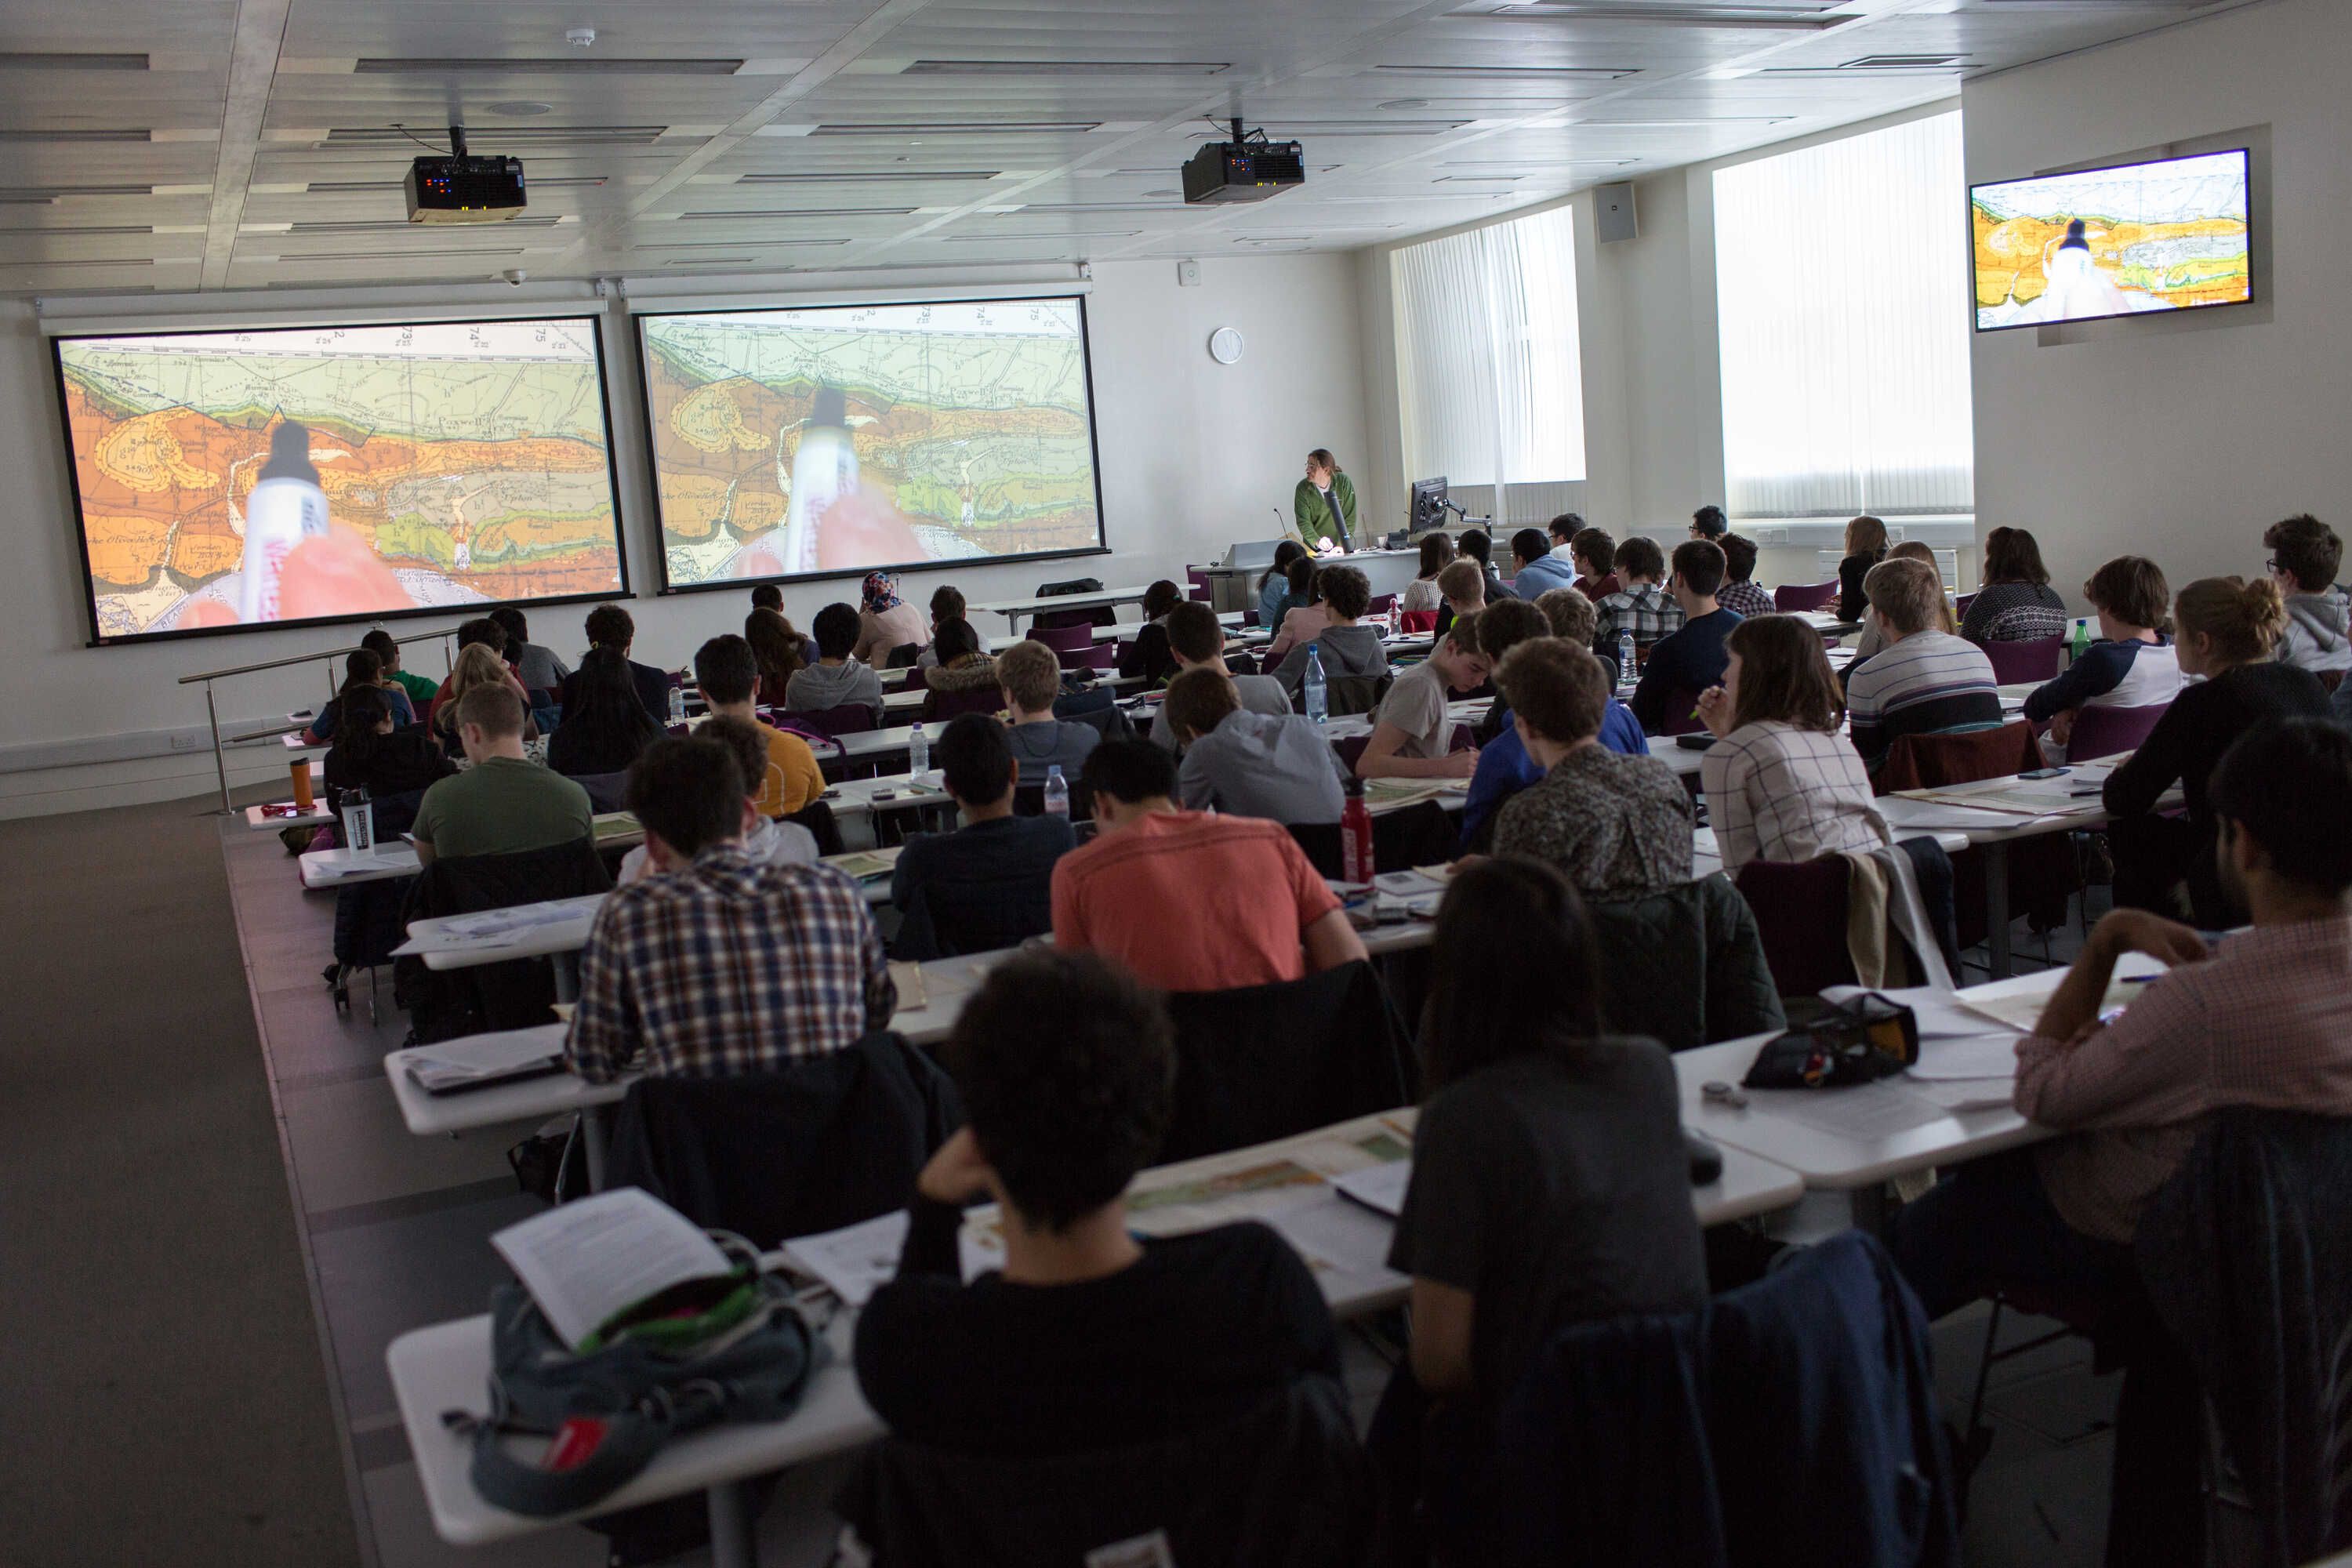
pixel 359 822
pixel 1628 672
pixel 1057 793
pixel 1318 690
pixel 918 751
pixel 677 704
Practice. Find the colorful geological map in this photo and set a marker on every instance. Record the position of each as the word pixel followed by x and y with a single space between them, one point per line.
pixel 2152 236
pixel 470 459
pixel 962 430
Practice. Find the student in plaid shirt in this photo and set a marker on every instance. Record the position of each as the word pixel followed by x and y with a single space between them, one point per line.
pixel 2264 1020
pixel 1641 607
pixel 721 963
pixel 1739 591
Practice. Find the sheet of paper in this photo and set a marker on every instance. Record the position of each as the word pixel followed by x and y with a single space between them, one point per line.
pixel 1905 812
pixel 913 995
pixel 1379 1188
pixel 488 925
pixel 865 863
pixel 1345 1246
pixel 853 1261
pixel 1956 1095
pixel 596 1257
pixel 1967 1057
pixel 479 1059
pixel 1409 884
pixel 614 825
pixel 1864 1112
pixel 1941 1014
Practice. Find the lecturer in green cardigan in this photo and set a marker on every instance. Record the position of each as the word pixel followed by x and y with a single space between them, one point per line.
pixel 1325 503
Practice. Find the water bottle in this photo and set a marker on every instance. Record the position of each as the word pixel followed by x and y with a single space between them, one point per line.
pixel 918 750
pixel 677 704
pixel 1356 835
pixel 2082 643
pixel 359 822
pixel 1318 690
pixel 1628 671
pixel 1057 793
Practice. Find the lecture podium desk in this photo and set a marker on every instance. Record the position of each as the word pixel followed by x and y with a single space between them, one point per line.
pixel 446 1366
pixel 1100 599
pixel 1854 1140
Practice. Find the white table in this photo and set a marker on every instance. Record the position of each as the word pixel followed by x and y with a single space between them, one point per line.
pixel 1101 599
pixel 316 816
pixel 347 868
pixel 1854 1140
pixel 296 746
pixel 446 1366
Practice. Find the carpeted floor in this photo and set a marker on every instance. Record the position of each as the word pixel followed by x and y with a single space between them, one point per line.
pixel 160 1373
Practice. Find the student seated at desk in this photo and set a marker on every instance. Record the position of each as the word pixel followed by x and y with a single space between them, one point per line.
pixel 947 605
pixel 2264 1020
pixel 609 626
pixel 1277 767
pixel 1924 681
pixel 1196 641
pixel 2225 631
pixel 728 674
pixel 885 622
pixel 478 665
pixel 420 688
pixel 1865 547
pixel 722 963
pixel 1190 901
pixel 1030 675
pixel 1594 552
pixel 537 668
pixel 504 802
pixel 1274 600
pixel 1461 591
pixel 961 667
pixel 2131 665
pixel 1475 544
pixel 372 753
pixel 838 678
pixel 1412 733
pixel 1307 615
pixel 1421 594
pixel 1641 606
pixel 604 727
pixel 1089 1338
pixel 1689 660
pixel 2014 601
pixel 990 883
pixel 1534 565
pixel 1741 591
pixel 781 652
pixel 1551 1181
pixel 1504 766
pixel 362 671
pixel 1873 632
pixel 1144 656
pixel 483 633
pixel 765 840
pixel 1348 648
pixel 2305 555
pixel 1781 782
pixel 1618 826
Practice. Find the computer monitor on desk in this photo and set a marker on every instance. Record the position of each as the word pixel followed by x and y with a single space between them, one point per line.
pixel 1428 507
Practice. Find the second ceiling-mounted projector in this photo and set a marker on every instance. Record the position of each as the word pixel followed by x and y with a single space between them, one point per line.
pixel 460 188
pixel 1249 168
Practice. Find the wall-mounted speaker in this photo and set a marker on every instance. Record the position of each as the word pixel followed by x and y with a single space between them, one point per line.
pixel 1613 217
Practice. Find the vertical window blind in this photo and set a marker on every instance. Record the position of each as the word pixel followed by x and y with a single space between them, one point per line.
pixel 1490 382
pixel 1842 293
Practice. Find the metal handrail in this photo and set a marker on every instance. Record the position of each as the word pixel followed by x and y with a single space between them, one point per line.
pixel 212 711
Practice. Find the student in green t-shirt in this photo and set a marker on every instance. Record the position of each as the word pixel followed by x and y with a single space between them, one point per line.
pixel 505 803
pixel 421 688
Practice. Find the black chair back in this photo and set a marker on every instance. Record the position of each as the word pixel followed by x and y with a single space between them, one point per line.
pixel 1420 835
pixel 1287 1486
pixel 817 818
pixel 1029 800
pixel 606 792
pixel 1265 1061
pixel 825 1142
pixel 447 1004
pixel 903 657
pixel 1684 965
pixel 1347 695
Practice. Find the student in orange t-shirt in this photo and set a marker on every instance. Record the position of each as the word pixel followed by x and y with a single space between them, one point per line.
pixel 1188 900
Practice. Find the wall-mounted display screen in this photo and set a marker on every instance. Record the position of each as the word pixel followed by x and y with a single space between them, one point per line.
pixel 234 479
pixel 837 439
pixel 2166 236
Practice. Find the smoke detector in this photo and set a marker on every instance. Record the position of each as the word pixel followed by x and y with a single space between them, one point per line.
pixel 579 37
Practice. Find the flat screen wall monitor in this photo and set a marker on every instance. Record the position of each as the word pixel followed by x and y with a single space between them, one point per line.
pixel 2133 239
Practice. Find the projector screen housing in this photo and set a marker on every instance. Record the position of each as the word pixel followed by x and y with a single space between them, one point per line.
pixel 2151 237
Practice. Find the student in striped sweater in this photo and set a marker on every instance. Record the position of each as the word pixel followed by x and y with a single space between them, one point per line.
pixel 1926 680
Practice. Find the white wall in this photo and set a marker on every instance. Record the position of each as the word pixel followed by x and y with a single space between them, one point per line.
pixel 2179 438
pixel 1194 455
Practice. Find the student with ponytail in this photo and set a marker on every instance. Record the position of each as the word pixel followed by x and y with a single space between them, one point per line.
pixel 2226 630
pixel 372 752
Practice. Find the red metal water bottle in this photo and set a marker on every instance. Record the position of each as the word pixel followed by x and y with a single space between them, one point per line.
pixel 1356 835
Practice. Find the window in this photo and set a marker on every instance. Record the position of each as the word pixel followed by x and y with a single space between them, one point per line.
pixel 1841 297
pixel 1490 384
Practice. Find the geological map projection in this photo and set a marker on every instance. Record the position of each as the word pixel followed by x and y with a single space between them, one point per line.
pixel 235 479
pixel 2169 236
pixel 841 438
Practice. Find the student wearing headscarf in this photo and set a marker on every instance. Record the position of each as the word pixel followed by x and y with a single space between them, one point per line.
pixel 885 621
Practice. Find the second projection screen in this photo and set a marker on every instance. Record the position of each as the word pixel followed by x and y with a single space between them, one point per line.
pixel 845 438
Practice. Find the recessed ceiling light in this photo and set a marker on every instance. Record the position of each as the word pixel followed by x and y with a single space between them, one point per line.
pixel 1406 104
pixel 520 108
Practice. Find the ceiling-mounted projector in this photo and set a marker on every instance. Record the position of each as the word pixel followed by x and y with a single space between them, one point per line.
pixel 1249 168
pixel 464 189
